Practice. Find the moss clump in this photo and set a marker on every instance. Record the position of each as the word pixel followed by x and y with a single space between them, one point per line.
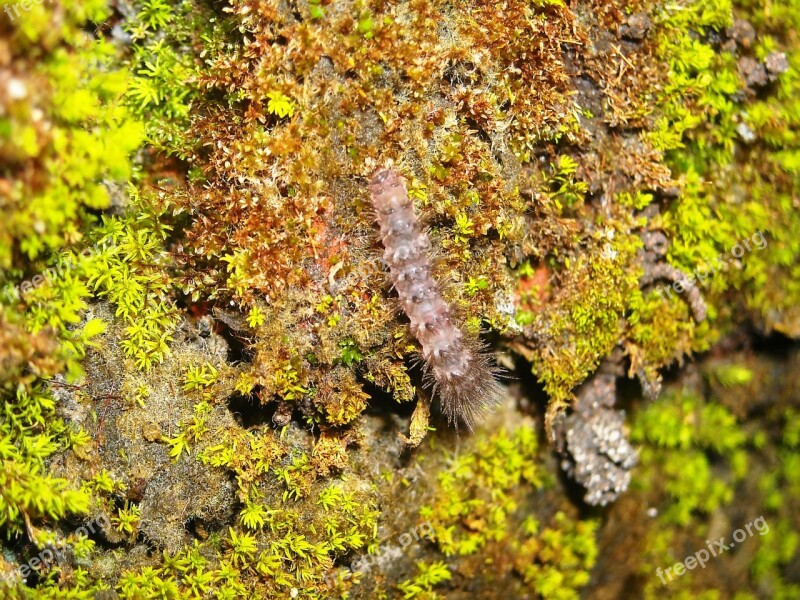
pixel 477 513
pixel 714 223
pixel 65 135
pixel 65 142
pixel 272 552
pixel 476 492
pixel 683 434
pixel 556 562
pixel 126 265
pixel 707 473
pixel 421 586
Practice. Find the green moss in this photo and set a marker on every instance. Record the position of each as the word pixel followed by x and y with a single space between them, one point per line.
pixel 711 220
pixel 67 131
pixel 776 551
pixel 276 552
pixel 421 586
pixel 165 76
pixel 682 434
pixel 126 266
pixel 477 510
pixel 27 494
pixel 599 286
pixel 477 491
pixel 556 562
pixel 695 107
pixel 66 142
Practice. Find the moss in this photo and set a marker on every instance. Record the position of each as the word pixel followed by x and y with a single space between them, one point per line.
pixel 217 347
pixel 775 552
pixel 708 473
pixel 298 555
pixel 421 586
pixel 597 289
pixel 476 510
pixel 123 266
pixel 462 516
pixel 472 200
pixel 684 432
pixel 709 221
pixel 65 134
pixel 27 494
pixel 66 141
pixel 482 214
pixel 556 561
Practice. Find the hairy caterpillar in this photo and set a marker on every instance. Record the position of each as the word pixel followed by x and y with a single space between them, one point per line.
pixel 455 366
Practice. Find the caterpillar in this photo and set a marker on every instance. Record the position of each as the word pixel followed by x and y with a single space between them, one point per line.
pixel 456 367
